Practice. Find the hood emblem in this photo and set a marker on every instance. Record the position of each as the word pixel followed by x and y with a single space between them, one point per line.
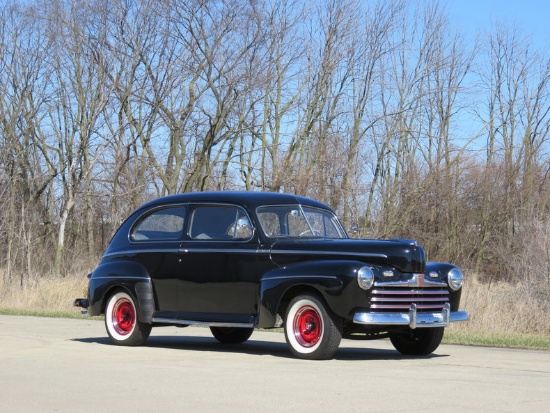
pixel 417 280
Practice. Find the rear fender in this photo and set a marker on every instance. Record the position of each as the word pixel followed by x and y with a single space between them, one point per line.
pixel 125 275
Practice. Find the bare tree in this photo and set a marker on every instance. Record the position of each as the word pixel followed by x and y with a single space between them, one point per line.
pixel 282 87
pixel 221 44
pixel 23 93
pixel 516 116
pixel 70 143
pixel 301 158
pixel 105 104
pixel 440 149
pixel 371 44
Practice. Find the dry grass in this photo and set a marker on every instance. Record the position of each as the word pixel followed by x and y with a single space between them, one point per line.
pixel 502 308
pixel 53 294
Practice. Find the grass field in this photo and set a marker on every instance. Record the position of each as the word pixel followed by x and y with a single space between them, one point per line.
pixel 502 315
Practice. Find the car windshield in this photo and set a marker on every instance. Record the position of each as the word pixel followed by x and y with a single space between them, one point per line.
pixel 299 221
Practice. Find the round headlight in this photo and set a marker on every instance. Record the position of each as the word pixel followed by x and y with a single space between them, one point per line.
pixel 365 278
pixel 455 279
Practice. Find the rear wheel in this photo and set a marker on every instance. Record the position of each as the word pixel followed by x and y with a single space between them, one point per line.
pixel 418 342
pixel 122 323
pixel 231 335
pixel 312 331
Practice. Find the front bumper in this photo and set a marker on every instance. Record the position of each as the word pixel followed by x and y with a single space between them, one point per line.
pixel 413 318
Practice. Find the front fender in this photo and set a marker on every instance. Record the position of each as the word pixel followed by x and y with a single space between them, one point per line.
pixel 330 279
pixel 127 275
pixel 442 269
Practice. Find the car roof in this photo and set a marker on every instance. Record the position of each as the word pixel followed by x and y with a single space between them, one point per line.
pixel 247 198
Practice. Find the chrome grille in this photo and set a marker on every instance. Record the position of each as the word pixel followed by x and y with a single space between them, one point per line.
pixel 400 299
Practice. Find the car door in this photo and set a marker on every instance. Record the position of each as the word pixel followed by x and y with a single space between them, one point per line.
pixel 218 276
pixel 156 244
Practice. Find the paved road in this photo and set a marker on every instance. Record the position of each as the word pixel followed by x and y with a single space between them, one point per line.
pixel 59 365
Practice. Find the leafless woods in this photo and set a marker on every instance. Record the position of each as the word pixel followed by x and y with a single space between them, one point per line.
pixel 387 111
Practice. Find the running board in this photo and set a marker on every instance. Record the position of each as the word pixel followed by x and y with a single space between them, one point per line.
pixel 201 323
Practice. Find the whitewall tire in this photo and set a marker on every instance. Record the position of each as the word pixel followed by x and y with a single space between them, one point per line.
pixel 122 323
pixel 312 331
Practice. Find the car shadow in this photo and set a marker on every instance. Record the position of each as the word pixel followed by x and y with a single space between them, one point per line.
pixel 260 348
pixel 253 347
pixel 367 353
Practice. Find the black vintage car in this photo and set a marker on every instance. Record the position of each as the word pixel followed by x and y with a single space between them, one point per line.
pixel 235 261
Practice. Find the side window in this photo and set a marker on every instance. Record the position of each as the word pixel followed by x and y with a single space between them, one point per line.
pixel 161 225
pixel 270 223
pixel 297 225
pixel 220 223
pixel 299 221
pixel 322 224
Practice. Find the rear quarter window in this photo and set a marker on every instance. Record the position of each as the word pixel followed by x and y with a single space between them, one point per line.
pixel 161 225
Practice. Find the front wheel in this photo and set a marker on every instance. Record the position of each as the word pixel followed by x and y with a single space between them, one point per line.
pixel 231 335
pixel 312 331
pixel 418 342
pixel 122 323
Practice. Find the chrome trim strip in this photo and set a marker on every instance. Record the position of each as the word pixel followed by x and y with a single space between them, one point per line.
pixel 222 250
pixel 405 306
pixel 410 292
pixel 413 318
pixel 418 280
pixel 245 250
pixel 293 277
pixel 353 254
pixel 202 323
pixel 182 250
pixel 123 277
pixel 141 251
pixel 408 299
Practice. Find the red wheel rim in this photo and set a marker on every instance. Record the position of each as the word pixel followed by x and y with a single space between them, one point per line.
pixel 308 326
pixel 124 317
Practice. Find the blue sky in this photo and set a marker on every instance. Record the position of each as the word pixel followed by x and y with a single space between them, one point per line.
pixel 531 16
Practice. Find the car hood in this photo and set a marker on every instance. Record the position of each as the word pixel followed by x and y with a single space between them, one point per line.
pixel 404 255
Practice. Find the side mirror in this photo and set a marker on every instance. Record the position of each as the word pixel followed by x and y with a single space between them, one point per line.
pixel 243 229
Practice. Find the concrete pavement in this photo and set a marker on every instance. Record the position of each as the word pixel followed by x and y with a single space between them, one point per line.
pixel 62 365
